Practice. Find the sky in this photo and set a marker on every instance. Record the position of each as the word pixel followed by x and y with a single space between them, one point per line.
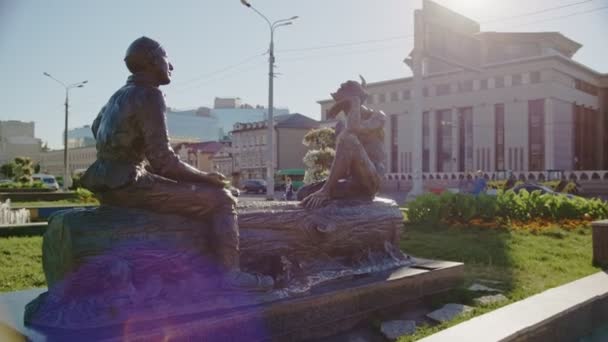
pixel 218 48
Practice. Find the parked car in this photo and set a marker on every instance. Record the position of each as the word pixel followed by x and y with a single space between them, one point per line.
pixel 49 181
pixel 255 186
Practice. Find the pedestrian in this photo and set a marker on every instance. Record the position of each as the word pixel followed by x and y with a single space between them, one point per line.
pixel 480 184
pixel 288 190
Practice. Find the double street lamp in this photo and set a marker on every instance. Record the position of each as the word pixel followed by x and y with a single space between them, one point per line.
pixel 67 87
pixel 270 160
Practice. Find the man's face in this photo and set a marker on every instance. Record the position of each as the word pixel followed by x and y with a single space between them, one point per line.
pixel 163 67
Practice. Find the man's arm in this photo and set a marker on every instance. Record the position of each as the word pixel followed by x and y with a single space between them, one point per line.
pixel 158 151
pixel 96 123
pixel 376 120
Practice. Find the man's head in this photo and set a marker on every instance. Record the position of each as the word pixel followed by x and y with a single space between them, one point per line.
pixel 147 55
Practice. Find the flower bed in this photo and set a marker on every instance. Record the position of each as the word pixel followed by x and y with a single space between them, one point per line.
pixel 530 211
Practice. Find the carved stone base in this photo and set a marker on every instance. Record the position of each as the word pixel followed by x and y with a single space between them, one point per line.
pixel 329 309
pixel 108 265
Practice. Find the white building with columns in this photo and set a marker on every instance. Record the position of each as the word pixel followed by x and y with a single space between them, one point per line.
pixel 529 107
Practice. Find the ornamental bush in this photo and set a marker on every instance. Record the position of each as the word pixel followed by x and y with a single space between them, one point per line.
pixel 505 206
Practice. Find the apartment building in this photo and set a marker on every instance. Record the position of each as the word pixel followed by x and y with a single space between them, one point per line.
pixel 249 145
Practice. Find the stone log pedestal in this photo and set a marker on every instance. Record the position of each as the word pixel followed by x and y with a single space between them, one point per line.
pixel 600 243
pixel 116 273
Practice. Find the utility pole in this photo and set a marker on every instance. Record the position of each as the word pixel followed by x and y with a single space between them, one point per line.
pixel 66 170
pixel 270 160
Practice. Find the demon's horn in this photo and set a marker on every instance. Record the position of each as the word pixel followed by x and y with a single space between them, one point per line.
pixel 363 82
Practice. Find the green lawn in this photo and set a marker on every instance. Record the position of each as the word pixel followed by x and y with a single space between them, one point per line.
pixel 21 263
pixel 524 263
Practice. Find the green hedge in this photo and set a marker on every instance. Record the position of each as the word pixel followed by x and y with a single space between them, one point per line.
pixel 523 206
pixel 20 185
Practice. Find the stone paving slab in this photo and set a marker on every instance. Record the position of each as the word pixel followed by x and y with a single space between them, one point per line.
pixel 532 316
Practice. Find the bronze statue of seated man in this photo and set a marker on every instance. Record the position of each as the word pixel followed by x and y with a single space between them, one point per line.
pixel 136 166
pixel 359 163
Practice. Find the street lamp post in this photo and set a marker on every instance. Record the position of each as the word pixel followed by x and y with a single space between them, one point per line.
pixel 66 173
pixel 270 120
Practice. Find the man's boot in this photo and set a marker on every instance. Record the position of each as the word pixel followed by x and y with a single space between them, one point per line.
pixel 227 250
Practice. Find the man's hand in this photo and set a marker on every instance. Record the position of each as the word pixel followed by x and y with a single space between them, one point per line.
pixel 316 200
pixel 216 178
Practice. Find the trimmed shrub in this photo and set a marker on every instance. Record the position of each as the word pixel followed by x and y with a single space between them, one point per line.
pixel 506 206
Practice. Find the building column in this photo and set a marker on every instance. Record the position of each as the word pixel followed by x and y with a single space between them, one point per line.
pixel 549 130
pixel 432 141
pixel 455 124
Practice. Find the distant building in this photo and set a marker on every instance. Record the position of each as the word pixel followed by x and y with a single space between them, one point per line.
pixel 249 145
pixel 80 137
pixel 17 139
pixel 223 161
pixel 528 106
pixel 79 159
pixel 199 154
pixel 230 111
pixel 192 125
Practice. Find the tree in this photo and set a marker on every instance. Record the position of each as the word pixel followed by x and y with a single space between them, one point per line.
pixel 8 170
pixel 24 170
pixel 321 143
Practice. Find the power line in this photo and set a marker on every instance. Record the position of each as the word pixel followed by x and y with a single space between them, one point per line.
pixel 210 80
pixel 565 16
pixel 550 9
pixel 218 71
pixel 388 39
pixel 372 41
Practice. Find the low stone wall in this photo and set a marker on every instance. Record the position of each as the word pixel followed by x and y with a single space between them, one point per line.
pixel 600 243
pixel 27 196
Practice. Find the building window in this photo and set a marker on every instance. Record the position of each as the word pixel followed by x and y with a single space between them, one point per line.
pixel 444 140
pixel 425 92
pixel 381 98
pixel 466 86
pixel 442 89
pixel 394 143
pixel 499 82
pixel 406 94
pixel 499 136
pixel 483 84
pixel 585 138
pixel 465 141
pixel 516 80
pixel 425 142
pixel 535 77
pixel 394 96
pixel 536 135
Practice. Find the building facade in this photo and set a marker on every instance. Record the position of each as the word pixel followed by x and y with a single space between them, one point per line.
pixel 199 155
pixel 17 139
pixel 525 106
pixel 249 145
pixel 230 111
pixel 79 159
pixel 223 161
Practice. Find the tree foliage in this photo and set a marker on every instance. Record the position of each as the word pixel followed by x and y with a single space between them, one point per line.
pixel 20 170
pixel 318 159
